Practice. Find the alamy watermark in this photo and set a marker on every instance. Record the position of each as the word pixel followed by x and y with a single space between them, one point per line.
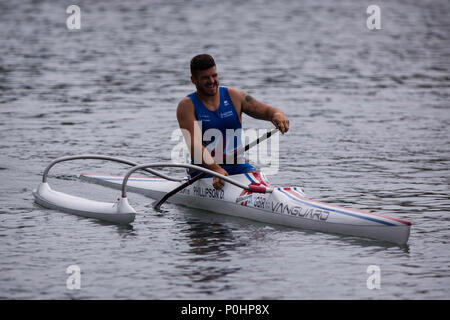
pixel 373 22
pixel 73 282
pixel 265 155
pixel 73 22
pixel 374 280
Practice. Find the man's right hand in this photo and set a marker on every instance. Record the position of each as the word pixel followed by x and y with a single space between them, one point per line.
pixel 217 182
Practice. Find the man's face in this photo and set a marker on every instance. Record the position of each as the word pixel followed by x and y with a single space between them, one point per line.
pixel 206 81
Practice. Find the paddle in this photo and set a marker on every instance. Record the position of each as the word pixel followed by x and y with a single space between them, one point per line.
pixel 236 153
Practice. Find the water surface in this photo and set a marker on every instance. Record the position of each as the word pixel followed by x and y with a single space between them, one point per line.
pixel 369 114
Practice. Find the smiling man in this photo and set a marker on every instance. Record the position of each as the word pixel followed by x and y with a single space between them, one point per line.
pixel 219 108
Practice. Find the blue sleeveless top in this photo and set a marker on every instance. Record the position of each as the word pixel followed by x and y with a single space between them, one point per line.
pixel 225 117
pixel 221 120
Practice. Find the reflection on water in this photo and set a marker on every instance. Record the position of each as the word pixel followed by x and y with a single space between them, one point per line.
pixel 209 239
pixel 210 247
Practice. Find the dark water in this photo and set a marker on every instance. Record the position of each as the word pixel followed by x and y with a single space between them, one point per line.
pixel 369 115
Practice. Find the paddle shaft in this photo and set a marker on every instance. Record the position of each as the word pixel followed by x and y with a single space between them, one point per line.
pixel 202 174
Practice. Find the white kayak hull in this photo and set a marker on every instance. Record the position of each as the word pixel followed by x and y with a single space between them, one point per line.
pixel 284 206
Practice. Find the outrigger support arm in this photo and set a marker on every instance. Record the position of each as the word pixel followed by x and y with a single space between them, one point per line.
pixel 102 157
pixel 251 188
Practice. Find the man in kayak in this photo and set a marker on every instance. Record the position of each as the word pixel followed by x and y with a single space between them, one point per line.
pixel 219 108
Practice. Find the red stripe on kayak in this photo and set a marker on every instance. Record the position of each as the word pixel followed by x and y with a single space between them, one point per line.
pixel 292 192
pixel 259 178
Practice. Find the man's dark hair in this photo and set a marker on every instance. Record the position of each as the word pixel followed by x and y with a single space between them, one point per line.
pixel 201 62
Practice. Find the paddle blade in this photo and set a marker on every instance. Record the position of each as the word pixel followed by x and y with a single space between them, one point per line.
pixel 157 207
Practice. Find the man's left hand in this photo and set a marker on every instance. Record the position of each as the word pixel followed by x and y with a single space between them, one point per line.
pixel 280 121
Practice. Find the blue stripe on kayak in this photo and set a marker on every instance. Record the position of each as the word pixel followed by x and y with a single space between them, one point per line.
pixel 336 210
pixel 249 178
pixel 301 192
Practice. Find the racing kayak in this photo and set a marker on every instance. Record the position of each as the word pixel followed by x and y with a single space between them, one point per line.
pixel 287 206
pixel 247 195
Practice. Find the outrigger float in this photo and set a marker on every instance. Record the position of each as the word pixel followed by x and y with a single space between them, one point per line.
pixel 247 195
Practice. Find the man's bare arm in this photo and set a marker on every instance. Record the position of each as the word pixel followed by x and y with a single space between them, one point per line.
pixel 262 111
